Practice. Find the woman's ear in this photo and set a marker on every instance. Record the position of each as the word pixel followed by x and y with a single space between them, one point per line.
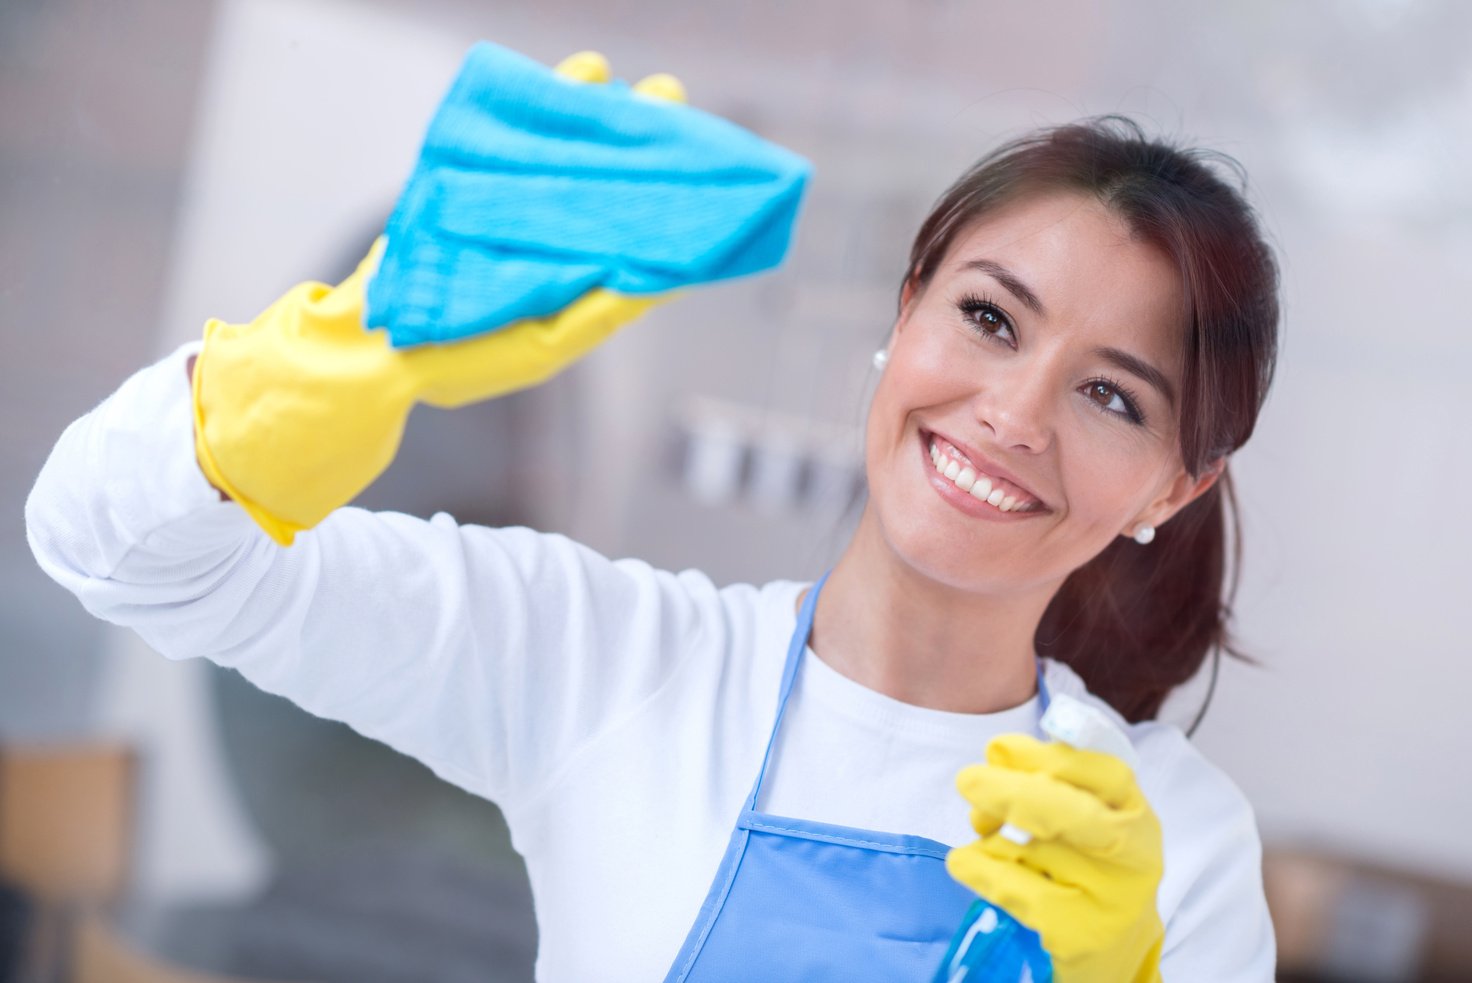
pixel 1184 490
pixel 909 295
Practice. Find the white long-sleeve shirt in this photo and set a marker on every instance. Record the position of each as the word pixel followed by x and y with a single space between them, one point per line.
pixel 616 713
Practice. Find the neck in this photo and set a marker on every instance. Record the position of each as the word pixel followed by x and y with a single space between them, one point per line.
pixel 897 631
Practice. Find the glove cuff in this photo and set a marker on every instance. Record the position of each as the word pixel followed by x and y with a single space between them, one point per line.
pixel 280 530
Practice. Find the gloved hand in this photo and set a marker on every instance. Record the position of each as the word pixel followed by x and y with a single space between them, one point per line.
pixel 1086 882
pixel 298 411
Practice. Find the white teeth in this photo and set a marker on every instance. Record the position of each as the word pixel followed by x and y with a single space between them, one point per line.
pixel 979 486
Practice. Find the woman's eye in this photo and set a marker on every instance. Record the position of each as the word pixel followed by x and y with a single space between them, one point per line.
pixel 1113 400
pixel 988 319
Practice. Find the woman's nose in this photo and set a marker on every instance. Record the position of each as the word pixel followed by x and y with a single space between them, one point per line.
pixel 1017 406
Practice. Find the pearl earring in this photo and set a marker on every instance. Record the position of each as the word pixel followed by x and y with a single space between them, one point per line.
pixel 1144 534
pixel 881 359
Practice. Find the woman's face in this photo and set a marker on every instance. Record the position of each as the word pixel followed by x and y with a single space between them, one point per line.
pixel 1043 360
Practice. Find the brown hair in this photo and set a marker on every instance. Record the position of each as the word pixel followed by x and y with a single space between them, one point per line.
pixel 1135 622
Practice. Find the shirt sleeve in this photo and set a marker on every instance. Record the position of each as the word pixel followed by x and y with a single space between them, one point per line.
pixel 491 655
pixel 1217 925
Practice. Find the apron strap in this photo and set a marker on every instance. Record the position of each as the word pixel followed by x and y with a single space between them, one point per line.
pixel 795 649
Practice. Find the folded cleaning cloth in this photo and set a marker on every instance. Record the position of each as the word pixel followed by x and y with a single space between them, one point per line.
pixel 532 189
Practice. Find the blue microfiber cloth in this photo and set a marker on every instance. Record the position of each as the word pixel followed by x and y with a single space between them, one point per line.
pixel 532 189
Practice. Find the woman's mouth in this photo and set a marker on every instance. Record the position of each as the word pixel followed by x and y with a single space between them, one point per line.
pixel 954 466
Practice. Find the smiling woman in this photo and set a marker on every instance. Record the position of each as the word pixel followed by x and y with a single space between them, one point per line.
pixel 1086 331
pixel 1129 272
pixel 759 782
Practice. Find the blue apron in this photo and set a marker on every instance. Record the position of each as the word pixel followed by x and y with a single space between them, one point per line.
pixel 795 900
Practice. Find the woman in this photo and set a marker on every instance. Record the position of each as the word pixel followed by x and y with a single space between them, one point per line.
pixel 1085 332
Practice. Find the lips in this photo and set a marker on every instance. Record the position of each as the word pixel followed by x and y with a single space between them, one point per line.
pixel 982 479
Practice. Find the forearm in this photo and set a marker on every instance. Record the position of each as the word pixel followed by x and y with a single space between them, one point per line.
pixel 425 635
pixel 122 517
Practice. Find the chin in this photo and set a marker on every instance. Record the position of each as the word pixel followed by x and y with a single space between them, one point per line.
pixel 944 555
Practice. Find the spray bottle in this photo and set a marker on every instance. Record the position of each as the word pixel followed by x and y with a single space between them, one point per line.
pixel 991 946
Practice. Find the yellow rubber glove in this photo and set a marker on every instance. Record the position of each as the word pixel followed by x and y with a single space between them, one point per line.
pixel 1086 883
pixel 298 411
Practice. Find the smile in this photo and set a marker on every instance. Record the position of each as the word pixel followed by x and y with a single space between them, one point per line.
pixel 1002 495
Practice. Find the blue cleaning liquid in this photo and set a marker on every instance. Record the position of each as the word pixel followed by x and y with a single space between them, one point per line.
pixel 993 947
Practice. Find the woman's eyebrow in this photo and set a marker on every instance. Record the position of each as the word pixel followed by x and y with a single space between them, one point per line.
pixel 1132 364
pixel 1137 366
pixel 1010 280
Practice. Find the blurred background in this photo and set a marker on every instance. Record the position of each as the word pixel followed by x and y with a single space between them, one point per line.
pixel 165 161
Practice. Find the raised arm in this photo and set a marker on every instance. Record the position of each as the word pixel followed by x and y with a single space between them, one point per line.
pixel 488 654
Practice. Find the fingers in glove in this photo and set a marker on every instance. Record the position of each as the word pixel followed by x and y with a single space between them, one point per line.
pixel 986 820
pixel 1104 775
pixel 1010 883
pixel 1054 861
pixel 584 66
pixel 1069 899
pixel 662 86
pixel 592 67
pixel 1046 807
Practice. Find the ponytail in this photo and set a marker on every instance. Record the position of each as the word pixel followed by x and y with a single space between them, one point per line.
pixel 1137 621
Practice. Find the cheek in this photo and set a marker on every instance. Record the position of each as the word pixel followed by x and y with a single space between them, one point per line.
pixel 908 386
pixel 885 422
pixel 925 369
pixel 927 345
pixel 1108 481
pixel 901 382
